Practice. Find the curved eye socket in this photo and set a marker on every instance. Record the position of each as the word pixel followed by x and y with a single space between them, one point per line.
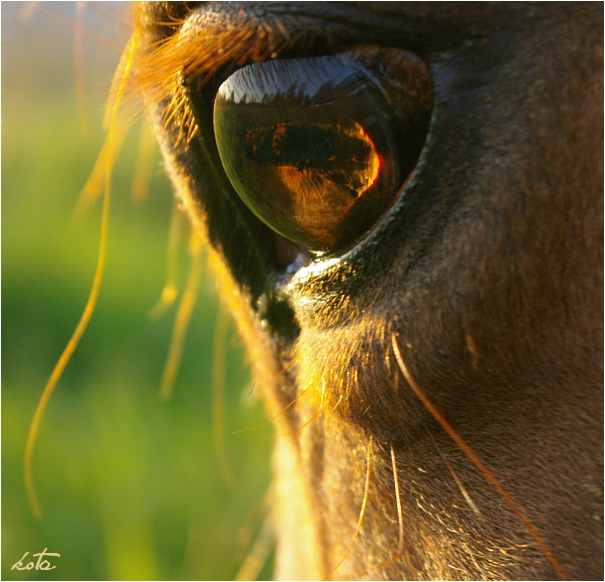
pixel 318 147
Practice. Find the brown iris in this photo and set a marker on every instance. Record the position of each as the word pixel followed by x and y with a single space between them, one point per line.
pixel 318 147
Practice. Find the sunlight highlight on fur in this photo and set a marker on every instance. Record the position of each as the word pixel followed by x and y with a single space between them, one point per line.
pixel 339 359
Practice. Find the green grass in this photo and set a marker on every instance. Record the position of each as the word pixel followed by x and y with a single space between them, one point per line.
pixel 130 485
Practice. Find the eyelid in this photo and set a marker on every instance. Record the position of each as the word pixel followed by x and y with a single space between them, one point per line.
pixel 225 36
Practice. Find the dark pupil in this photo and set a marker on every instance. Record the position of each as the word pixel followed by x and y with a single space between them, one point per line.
pixel 292 145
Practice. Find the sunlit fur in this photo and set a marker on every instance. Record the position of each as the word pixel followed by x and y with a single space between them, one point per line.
pixel 488 318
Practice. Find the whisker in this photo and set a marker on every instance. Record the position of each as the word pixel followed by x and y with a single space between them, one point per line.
pixel 362 511
pixel 401 538
pixel 303 425
pixel 398 500
pixel 170 290
pixel 462 488
pixel 285 369
pixel 269 421
pixel 479 464
pixel 93 188
pixel 72 344
pixel 258 554
pixel 219 372
pixel 144 166
pixel 182 319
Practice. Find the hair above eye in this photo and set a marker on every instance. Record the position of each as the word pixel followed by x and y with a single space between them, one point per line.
pixel 318 147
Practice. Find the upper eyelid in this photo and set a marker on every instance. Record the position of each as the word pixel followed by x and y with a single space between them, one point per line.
pixel 223 37
pixel 215 36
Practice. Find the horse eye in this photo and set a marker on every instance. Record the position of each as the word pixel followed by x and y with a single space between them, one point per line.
pixel 319 147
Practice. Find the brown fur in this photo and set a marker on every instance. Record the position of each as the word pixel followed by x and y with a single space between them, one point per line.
pixel 488 277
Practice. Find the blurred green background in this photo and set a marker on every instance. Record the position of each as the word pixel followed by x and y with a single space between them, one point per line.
pixel 130 485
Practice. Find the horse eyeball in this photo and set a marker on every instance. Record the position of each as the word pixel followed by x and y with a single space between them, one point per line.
pixel 318 147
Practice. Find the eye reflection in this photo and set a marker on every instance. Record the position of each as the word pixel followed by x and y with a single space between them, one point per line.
pixel 318 147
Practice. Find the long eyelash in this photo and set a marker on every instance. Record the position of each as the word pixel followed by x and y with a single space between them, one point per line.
pixel 479 464
pixel 190 53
